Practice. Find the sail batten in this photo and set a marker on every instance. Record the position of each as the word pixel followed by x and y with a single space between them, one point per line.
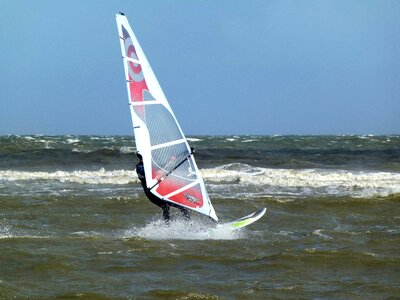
pixel 168 144
pixel 184 188
pixel 149 102
pixel 132 60
pixel 170 169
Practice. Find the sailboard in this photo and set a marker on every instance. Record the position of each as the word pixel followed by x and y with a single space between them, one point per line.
pixel 170 169
pixel 247 220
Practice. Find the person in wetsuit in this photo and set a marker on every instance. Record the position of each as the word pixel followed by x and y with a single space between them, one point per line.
pixel 164 205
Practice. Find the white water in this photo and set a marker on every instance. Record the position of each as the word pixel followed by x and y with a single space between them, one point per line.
pixel 182 230
pixel 81 177
pixel 240 180
pixel 308 181
pixel 5 231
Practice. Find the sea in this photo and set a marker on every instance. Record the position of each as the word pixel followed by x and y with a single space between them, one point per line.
pixel 75 224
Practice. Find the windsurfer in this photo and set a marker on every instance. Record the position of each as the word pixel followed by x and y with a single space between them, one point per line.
pixel 164 205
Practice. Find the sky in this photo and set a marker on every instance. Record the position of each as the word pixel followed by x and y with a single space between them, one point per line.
pixel 226 67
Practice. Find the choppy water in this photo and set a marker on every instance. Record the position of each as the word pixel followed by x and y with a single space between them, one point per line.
pixel 75 224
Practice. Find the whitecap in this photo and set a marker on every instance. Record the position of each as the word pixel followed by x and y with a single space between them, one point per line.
pixel 194 139
pixel 306 181
pixel 79 176
pixel 5 231
pixel 73 141
pixel 87 234
pixel 127 150
pixel 318 232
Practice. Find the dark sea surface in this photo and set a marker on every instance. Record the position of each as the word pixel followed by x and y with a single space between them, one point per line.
pixel 75 224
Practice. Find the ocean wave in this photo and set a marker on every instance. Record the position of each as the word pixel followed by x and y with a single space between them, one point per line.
pixel 73 141
pixel 194 139
pixel 249 141
pixel 307 181
pixel 106 151
pixel 127 150
pixel 81 177
pixel 244 180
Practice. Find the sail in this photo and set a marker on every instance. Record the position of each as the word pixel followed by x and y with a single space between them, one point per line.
pixel 170 169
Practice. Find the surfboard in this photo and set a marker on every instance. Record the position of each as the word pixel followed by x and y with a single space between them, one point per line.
pixel 247 220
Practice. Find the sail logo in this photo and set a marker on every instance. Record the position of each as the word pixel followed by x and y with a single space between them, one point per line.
pixel 137 83
pixel 191 198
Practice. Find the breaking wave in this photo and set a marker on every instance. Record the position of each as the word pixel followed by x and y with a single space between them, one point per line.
pixel 81 177
pixel 308 181
pixel 250 180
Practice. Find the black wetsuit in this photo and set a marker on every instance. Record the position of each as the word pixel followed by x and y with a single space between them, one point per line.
pixel 164 205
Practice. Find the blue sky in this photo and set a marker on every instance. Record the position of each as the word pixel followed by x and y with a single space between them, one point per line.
pixel 226 67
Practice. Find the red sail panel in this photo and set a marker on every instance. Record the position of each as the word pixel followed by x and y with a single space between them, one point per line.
pixel 137 83
pixel 191 197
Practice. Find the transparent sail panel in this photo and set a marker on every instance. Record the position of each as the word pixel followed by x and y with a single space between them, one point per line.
pixel 160 123
pixel 174 158
pixel 140 112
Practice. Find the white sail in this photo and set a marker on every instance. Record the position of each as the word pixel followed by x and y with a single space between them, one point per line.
pixel 170 169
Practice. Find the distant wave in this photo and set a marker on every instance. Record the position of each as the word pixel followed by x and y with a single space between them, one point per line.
pixel 194 139
pixel 73 141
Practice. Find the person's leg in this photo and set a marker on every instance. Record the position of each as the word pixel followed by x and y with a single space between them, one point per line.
pixel 160 203
pixel 166 213
pixel 185 212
